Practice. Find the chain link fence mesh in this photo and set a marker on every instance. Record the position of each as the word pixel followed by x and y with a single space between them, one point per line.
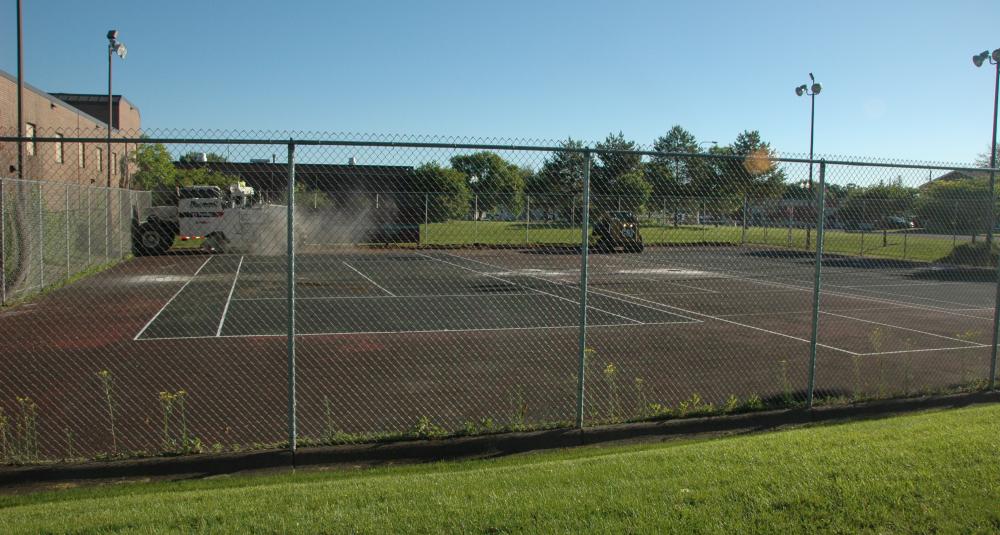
pixel 449 286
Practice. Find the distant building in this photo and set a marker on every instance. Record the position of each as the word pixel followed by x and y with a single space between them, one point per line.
pixel 66 115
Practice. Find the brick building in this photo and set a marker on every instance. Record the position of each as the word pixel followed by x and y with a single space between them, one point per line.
pixel 66 115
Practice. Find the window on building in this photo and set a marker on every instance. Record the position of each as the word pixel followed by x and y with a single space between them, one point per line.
pixel 100 160
pixel 59 148
pixel 29 132
pixel 81 156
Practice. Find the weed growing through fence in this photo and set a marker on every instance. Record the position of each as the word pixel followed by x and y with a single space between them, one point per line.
pixel 731 405
pixel 107 387
pixel 786 384
pixel 611 380
pixel 426 429
pixel 70 451
pixel 25 436
pixel 518 410
pixel 172 403
pixel 4 437
pixel 640 395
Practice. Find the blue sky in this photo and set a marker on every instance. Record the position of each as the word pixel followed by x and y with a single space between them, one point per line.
pixel 898 78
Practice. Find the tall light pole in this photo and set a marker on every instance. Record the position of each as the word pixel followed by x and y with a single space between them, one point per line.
pixel 20 97
pixel 114 47
pixel 812 91
pixel 978 61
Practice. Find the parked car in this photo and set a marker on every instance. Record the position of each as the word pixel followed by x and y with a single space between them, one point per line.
pixel 898 222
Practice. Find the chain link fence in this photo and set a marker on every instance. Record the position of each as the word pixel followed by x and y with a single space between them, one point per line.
pixel 311 289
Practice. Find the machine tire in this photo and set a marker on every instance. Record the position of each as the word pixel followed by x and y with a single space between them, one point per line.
pixel 152 240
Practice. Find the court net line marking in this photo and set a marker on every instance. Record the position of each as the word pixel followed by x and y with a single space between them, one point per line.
pixel 528 287
pixel 920 350
pixel 418 331
pixel 367 278
pixel 165 305
pixel 229 299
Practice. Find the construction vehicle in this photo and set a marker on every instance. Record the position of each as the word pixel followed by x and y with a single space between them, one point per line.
pixel 226 218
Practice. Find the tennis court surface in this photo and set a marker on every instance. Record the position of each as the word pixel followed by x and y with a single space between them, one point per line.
pixel 387 338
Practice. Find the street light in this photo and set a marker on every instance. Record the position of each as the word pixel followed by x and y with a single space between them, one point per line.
pixel 978 61
pixel 812 91
pixel 114 47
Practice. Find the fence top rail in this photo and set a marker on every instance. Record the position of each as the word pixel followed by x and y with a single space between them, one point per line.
pixel 474 146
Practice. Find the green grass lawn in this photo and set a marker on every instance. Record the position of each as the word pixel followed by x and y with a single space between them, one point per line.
pixel 926 472
pixel 894 244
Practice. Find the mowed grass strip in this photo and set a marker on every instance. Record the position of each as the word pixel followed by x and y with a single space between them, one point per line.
pixel 894 244
pixel 928 472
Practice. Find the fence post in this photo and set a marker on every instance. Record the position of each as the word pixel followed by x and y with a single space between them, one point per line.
pixel 290 222
pixel 527 215
pixel 743 234
pixel 906 234
pixel 107 226
pixel 3 244
pixel 817 280
pixel 954 231
pixel 475 224
pixel 66 218
pixel 119 230
pixel 41 237
pixel 90 217
pixel 427 227
pixel 584 251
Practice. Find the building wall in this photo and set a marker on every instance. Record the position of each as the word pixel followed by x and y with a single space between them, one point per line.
pixel 51 117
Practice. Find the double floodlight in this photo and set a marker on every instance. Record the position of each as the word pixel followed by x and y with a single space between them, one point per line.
pixel 814 89
pixel 115 46
pixel 981 58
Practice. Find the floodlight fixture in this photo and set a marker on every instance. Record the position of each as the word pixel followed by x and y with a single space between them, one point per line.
pixel 996 56
pixel 816 88
pixel 980 58
pixel 800 90
pixel 112 35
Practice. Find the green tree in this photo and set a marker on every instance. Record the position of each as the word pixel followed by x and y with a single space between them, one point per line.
pixel 498 183
pixel 960 206
pixel 671 176
pixel 155 168
pixel 618 179
pixel 557 186
pixel 756 174
pixel 447 191
pixel 872 205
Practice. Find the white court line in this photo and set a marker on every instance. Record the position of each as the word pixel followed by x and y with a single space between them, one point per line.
pixel 885 285
pixel 572 285
pixel 904 295
pixel 150 322
pixel 693 313
pixel 916 306
pixel 427 331
pixel 703 290
pixel 919 350
pixel 348 297
pixel 901 328
pixel 229 299
pixel 367 278
pixel 802 312
pixel 528 287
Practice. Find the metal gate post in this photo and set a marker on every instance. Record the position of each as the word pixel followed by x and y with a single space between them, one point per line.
pixel 427 227
pixel 527 220
pixel 475 224
pixel 584 251
pixel 41 237
pixel 292 422
pixel 817 280
pixel 66 217
pixel 3 244
pixel 743 234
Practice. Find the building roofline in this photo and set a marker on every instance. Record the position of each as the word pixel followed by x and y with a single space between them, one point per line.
pixel 54 100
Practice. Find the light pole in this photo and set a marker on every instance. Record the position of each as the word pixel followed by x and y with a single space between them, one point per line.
pixel 114 47
pixel 812 91
pixel 978 61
